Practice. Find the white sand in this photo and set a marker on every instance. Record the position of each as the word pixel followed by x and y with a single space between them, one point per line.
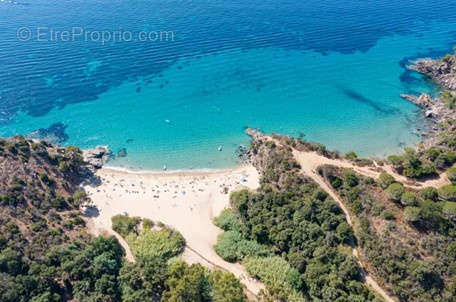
pixel 186 201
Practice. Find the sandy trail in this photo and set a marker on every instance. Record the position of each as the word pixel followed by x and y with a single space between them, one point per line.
pixel 186 201
pixel 309 162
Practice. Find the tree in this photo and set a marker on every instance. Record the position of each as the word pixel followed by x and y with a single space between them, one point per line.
pixel 429 193
pixel 143 280
pixel 451 172
pixel 395 191
pixel 187 283
pixel 412 214
pixel 350 178
pixel 125 225
pixel 351 155
pixel 449 210
pixel 385 180
pixel 409 198
pixel 226 288
pixel 448 193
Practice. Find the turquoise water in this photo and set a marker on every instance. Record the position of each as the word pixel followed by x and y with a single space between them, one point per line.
pixel 343 91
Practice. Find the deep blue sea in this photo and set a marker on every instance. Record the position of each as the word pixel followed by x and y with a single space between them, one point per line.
pixel 177 82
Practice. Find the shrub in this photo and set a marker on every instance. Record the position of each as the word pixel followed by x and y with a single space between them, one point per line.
pixel 449 210
pixel 147 223
pixel 228 220
pixel 125 225
pixel 226 287
pixel 412 214
pixel 165 243
pixel 395 160
pixel 451 172
pixel 351 155
pixel 409 199
pixel 449 99
pixel 279 277
pixel 395 191
pixel 344 232
pixel 448 193
pixel 388 215
pixel 432 153
pixel 429 193
pixel 187 283
pixel 231 246
pixel 385 180
pixel 350 178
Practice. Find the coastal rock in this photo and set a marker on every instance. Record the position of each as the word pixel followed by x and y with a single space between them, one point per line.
pixel 423 101
pixel 442 71
pixel 96 157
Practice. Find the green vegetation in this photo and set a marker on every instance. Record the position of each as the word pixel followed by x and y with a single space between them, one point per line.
pixel 158 276
pixel 280 278
pixel 46 256
pixel 448 193
pixel 125 225
pixel 195 283
pixel 449 99
pixel 395 191
pixel 299 226
pixel 228 220
pixel 411 164
pixel 232 247
pixel 385 180
pixel 164 243
pixel 415 226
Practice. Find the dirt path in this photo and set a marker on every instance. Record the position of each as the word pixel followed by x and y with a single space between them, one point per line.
pixel 309 163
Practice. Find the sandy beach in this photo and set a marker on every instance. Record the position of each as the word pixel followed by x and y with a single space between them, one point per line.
pixel 184 200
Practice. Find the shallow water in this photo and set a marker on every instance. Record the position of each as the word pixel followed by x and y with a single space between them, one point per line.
pixel 329 71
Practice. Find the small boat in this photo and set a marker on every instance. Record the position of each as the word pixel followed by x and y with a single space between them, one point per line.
pixel 220 148
pixel 165 168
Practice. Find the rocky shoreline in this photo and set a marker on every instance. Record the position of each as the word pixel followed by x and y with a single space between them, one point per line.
pixel 96 157
pixel 443 73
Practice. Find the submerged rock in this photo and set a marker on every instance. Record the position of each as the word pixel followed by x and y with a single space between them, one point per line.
pixel 54 134
pixel 122 152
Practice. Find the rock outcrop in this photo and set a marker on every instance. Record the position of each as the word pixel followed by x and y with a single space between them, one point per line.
pixel 442 71
pixel 96 157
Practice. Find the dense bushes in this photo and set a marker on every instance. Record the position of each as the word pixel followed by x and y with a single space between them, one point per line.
pixel 410 164
pixel 195 283
pixel 283 281
pixel 448 193
pixel 232 247
pixel 125 225
pixel 395 191
pixel 418 226
pixel 385 180
pixel 158 276
pixel 164 243
pixel 302 228
pixel 45 256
